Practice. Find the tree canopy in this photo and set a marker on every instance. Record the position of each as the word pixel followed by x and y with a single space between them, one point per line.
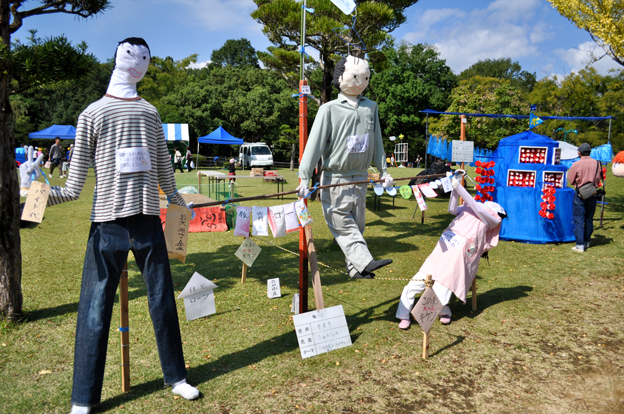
pixel 602 19
pixel 235 53
pixel 502 68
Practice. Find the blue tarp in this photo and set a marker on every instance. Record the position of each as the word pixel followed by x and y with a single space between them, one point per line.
pixel 219 136
pixel 523 203
pixel 61 131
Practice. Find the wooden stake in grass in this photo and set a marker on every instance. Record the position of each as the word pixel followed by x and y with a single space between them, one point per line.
pixel 124 329
pixel 428 284
pixel 474 294
pixel 316 275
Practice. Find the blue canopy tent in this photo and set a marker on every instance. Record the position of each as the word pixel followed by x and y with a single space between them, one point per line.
pixel 61 131
pixel 219 136
pixel 522 200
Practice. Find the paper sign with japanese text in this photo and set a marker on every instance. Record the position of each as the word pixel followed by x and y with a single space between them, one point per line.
pixel 36 202
pixel 322 331
pixel 277 222
pixel 243 216
pixel 176 231
pixel 427 309
pixel 419 198
pixel 294 306
pixel 273 288
pixel 208 219
pixel 260 221
pixel 198 297
pixel 427 190
pixel 248 251
pixel 446 184
pixel 290 215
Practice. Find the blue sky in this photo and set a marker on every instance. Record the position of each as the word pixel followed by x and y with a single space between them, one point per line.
pixel 463 31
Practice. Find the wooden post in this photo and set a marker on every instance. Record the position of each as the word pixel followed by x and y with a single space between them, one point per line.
pixel 198 178
pixel 316 274
pixel 244 275
pixel 124 329
pixel 425 354
pixel 474 294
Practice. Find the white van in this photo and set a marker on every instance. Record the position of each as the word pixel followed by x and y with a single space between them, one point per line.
pixel 257 154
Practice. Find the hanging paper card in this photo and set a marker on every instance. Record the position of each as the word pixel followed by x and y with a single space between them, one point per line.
pixel 290 215
pixel 198 297
pixel 426 309
pixel 208 219
pixel 378 189
pixel 406 191
pixel 391 191
pixel 427 190
pixel 273 288
pixel 434 184
pixel 419 198
pixel 260 221
pixel 176 231
pixel 277 221
pixel 243 215
pixel 446 184
pixel 36 202
pixel 345 6
pixel 248 251
pixel 302 213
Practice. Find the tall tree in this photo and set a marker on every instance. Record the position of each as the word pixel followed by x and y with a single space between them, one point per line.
pixel 602 19
pixel 236 53
pixel 502 68
pixel 375 19
pixel 12 14
pixel 415 78
pixel 483 96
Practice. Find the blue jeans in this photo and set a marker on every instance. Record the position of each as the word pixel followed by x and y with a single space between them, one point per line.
pixel 107 251
pixel 583 212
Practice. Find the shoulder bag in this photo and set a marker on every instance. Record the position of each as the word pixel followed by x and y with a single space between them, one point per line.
pixel 588 190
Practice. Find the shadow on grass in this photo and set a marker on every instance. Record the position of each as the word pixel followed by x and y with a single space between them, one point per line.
pixel 486 299
pixel 252 355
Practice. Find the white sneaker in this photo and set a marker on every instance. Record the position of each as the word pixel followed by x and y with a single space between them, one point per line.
pixel 186 390
pixel 579 248
pixel 78 409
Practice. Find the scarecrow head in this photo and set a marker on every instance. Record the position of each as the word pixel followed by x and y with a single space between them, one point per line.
pixel 132 59
pixel 351 75
pixel 617 168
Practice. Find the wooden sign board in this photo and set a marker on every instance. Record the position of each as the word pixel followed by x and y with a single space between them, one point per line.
pixel 176 231
pixel 427 309
pixel 36 202
pixel 322 331
pixel 462 151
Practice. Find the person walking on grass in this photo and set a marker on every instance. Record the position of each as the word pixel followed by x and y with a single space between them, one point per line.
pixel 177 160
pixel 56 157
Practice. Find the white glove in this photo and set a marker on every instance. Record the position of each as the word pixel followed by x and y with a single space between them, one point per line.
pixel 456 180
pixel 388 181
pixel 26 171
pixel 303 191
pixel 190 207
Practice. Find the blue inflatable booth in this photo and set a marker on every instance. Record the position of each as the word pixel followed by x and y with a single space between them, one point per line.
pixel 525 163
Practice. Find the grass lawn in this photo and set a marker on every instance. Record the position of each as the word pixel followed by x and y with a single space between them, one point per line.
pixel 548 336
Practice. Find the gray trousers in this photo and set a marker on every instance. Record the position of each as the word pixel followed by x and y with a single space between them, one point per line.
pixel 344 209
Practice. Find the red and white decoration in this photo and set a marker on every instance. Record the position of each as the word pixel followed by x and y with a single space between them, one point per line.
pixel 548 202
pixel 485 180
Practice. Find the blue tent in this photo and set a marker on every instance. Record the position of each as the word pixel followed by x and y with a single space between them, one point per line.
pixel 523 202
pixel 61 131
pixel 219 136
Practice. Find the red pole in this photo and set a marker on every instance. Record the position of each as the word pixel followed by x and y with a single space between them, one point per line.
pixel 303 246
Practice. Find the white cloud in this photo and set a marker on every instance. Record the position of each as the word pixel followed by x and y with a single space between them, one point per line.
pixel 579 57
pixel 198 65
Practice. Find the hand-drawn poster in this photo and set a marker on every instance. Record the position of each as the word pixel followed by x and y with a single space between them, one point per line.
pixel 208 219
pixel 427 190
pixel 419 198
pixel 427 309
pixel 302 213
pixel 290 215
pixel 322 331
pixel 277 222
pixel 198 297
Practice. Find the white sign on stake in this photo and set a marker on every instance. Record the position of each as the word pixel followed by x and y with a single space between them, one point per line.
pixel 198 297
pixel 322 331
pixel 462 151
pixel 273 288
pixel 294 307
pixel 248 251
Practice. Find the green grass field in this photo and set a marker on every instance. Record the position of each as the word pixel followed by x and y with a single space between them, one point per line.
pixel 547 336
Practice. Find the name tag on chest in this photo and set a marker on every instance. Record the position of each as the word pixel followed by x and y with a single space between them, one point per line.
pixel 357 143
pixel 453 240
pixel 131 160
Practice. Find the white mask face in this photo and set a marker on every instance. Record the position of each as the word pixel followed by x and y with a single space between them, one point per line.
pixel 132 62
pixel 355 77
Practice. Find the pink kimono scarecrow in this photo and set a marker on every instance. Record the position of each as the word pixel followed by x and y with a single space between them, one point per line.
pixel 454 261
